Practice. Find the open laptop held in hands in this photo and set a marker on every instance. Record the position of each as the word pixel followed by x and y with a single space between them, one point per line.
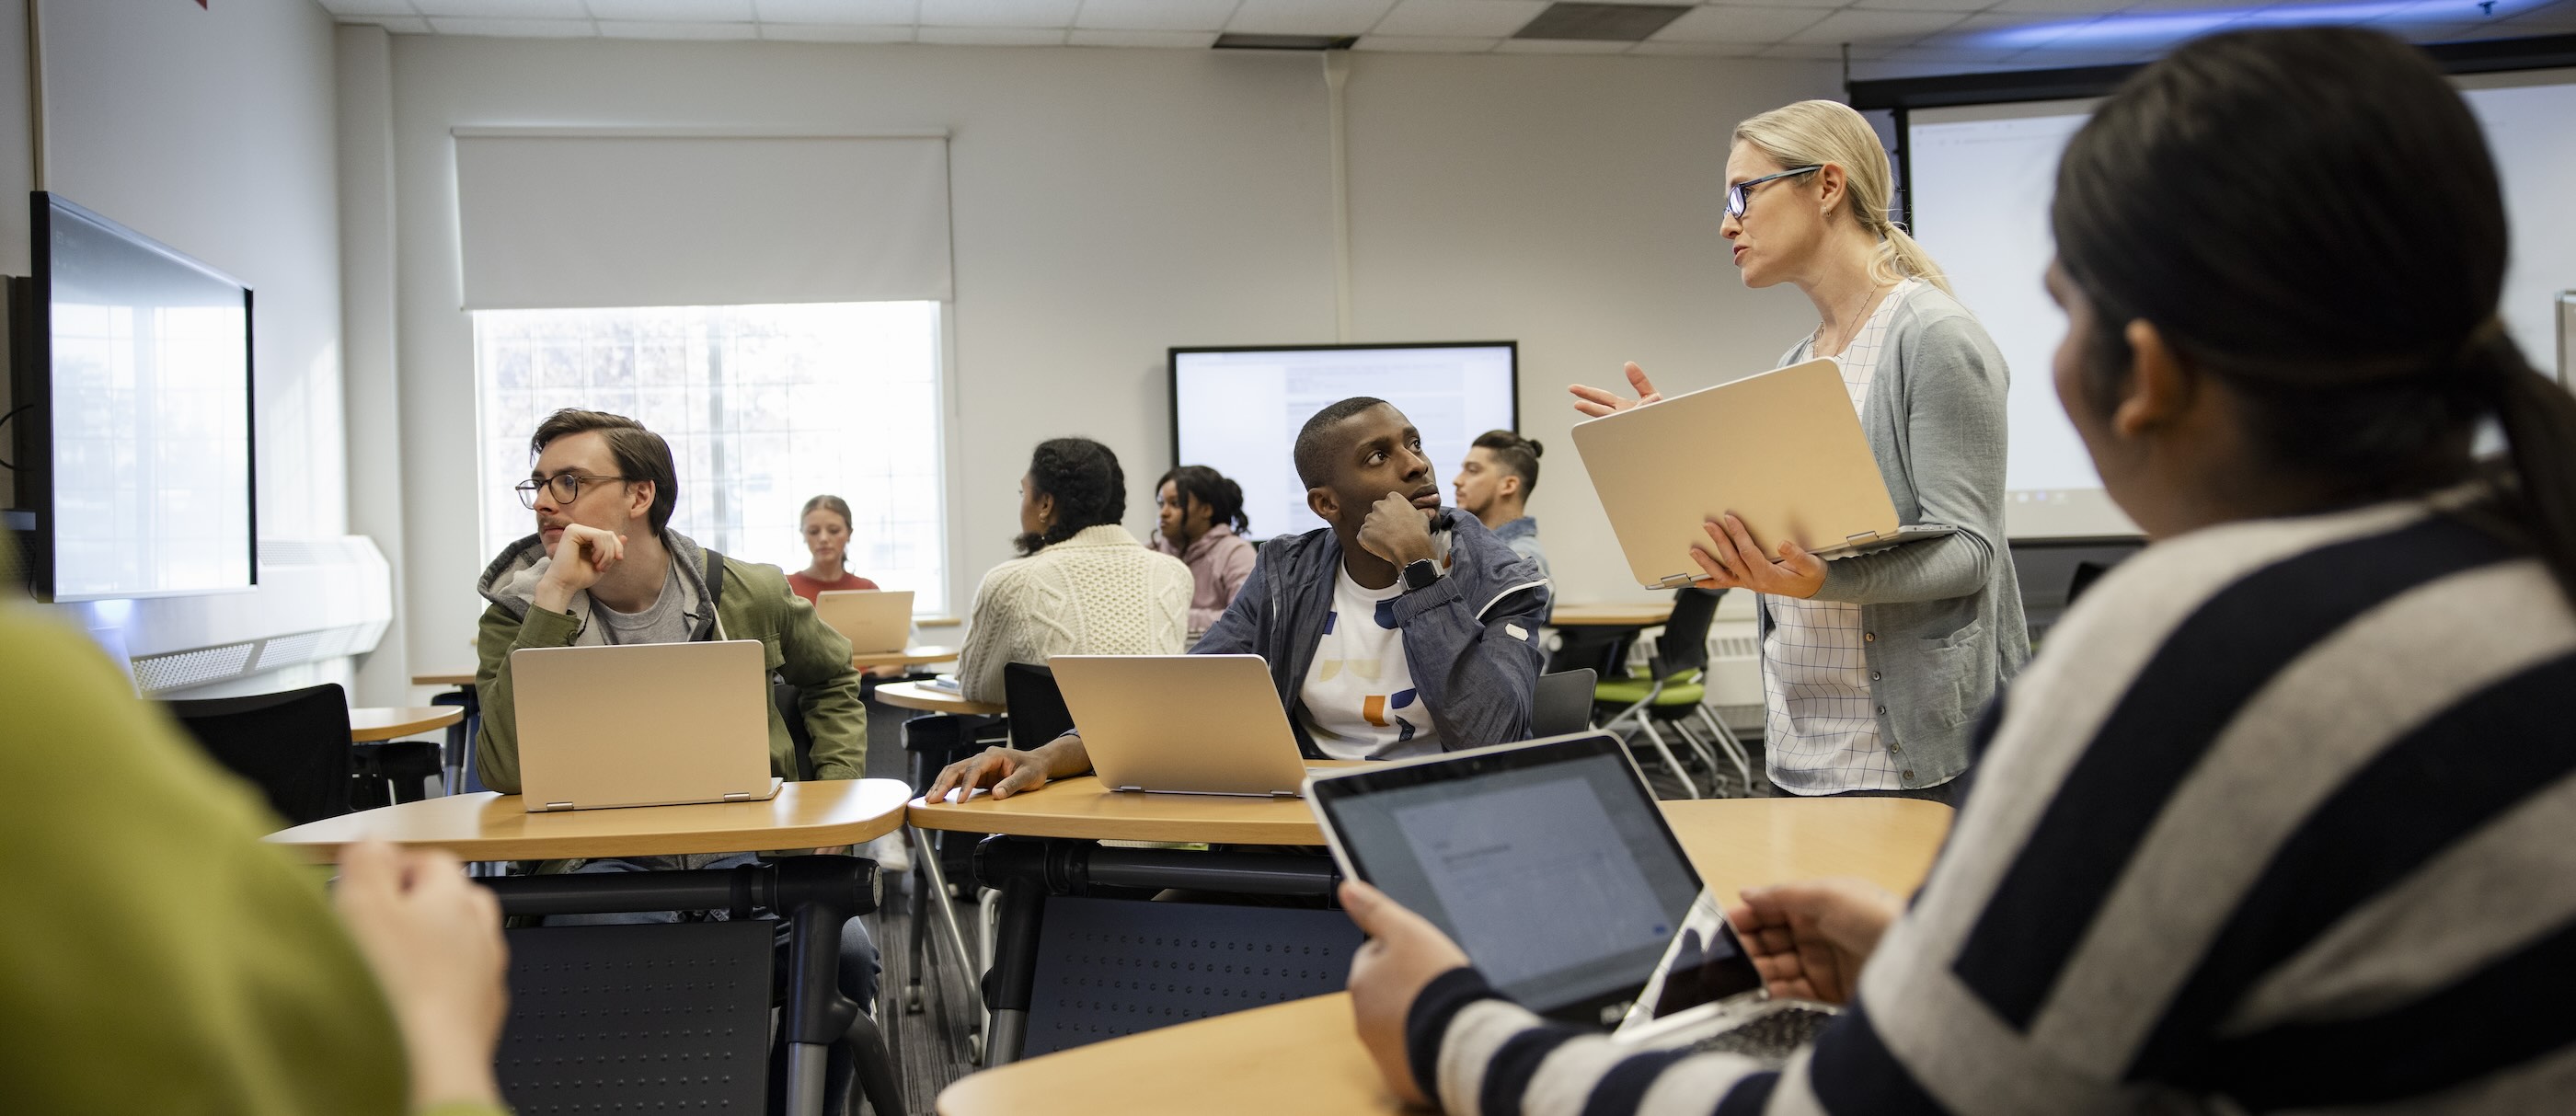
pixel 1551 865
pixel 648 724
pixel 1183 724
pixel 1783 451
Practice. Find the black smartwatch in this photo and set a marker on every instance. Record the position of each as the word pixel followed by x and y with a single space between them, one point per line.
pixel 1420 574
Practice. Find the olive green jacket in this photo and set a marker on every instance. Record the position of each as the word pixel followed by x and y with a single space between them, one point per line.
pixel 753 603
pixel 162 958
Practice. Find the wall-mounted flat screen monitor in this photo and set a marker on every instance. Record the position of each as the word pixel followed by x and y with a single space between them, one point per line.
pixel 1981 180
pixel 133 364
pixel 1238 410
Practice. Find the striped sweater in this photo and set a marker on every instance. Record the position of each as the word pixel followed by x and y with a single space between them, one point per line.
pixel 2284 818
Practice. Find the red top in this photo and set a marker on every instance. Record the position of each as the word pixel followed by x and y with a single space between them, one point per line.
pixel 807 587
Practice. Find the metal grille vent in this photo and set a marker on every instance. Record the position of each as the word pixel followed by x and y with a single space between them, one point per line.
pixel 287 650
pixel 191 668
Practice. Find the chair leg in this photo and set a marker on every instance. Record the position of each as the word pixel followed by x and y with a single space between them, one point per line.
pixel 1707 758
pixel 1734 746
pixel 1665 750
pixel 872 1062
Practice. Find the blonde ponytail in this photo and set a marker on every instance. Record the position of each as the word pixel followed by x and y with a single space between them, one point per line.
pixel 1814 132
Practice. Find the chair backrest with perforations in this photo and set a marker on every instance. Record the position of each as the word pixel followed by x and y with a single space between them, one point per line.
pixel 293 744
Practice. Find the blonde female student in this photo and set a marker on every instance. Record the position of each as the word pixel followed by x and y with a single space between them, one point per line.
pixel 1874 668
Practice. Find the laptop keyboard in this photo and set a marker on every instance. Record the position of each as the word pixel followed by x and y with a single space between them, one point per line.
pixel 1770 1039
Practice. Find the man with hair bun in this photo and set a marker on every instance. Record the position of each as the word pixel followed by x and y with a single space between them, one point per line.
pixel 1494 485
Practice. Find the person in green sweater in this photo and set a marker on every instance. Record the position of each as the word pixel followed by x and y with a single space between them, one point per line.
pixel 605 568
pixel 164 959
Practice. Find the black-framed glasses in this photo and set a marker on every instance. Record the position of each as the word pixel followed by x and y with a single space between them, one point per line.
pixel 565 486
pixel 1735 194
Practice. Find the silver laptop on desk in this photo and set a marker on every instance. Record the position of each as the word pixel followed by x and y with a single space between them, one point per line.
pixel 1187 724
pixel 653 724
pixel 1782 450
pixel 874 621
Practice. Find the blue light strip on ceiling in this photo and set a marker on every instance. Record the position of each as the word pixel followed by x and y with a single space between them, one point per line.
pixel 2156 28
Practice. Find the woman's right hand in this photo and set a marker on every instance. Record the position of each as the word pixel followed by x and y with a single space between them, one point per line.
pixel 1596 402
pixel 1811 939
pixel 1007 770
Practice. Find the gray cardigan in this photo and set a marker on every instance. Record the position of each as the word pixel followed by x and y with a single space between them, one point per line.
pixel 1941 619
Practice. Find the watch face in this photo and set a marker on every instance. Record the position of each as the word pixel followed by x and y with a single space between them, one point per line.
pixel 1420 574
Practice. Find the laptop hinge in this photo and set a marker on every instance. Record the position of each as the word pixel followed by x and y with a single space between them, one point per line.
pixel 1128 787
pixel 551 807
pixel 1285 794
pixel 1861 537
pixel 738 796
pixel 1676 581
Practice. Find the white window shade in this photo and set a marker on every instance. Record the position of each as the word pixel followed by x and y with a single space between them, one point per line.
pixel 559 220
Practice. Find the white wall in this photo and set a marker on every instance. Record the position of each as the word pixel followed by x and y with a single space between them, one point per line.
pixel 210 130
pixel 1109 204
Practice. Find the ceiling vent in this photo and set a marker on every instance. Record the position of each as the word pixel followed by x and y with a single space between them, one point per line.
pixel 1617 23
pixel 1237 41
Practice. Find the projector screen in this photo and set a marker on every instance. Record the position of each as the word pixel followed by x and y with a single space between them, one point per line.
pixel 1238 410
pixel 1981 179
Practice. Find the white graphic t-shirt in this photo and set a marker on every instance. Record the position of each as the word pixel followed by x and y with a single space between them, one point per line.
pixel 1359 696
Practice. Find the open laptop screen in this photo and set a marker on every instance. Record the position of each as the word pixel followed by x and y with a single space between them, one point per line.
pixel 1548 863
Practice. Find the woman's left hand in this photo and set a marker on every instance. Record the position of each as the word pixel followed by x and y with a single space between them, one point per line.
pixel 1403 952
pixel 1740 565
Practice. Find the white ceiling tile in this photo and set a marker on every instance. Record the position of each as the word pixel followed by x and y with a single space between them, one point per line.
pixel 1947 55
pixel 2058 7
pixel 991 36
pixel 847 13
pixel 669 29
pixel 504 9
pixel 1802 52
pixel 1308 17
pixel 1728 23
pixel 369 7
pixel 2009 31
pixel 1960 7
pixel 1696 49
pixel 1561 46
pixel 1180 40
pixel 517 28
pixel 398 25
pixel 999 13
pixel 1878 28
pixel 674 11
pixel 1426 44
pixel 827 33
pixel 1155 15
pixel 1459 18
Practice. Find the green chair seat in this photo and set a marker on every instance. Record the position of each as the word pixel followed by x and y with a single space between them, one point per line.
pixel 1624 692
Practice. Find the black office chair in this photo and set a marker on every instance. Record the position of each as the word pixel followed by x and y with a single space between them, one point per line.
pixel 1037 712
pixel 1673 689
pixel 1562 703
pixel 294 745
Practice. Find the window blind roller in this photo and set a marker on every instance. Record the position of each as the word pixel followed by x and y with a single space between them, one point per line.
pixel 555 220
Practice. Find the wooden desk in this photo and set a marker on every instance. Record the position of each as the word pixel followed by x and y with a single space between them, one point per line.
pixel 911 656
pixel 1303 1057
pixel 369 724
pixel 1082 809
pixel 914 695
pixel 465 679
pixel 1645 615
pixel 487 826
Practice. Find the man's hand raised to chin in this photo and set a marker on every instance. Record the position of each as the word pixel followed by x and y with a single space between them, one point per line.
pixel 581 555
pixel 1397 531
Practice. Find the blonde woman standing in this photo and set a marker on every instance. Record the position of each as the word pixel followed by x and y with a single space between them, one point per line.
pixel 1875 667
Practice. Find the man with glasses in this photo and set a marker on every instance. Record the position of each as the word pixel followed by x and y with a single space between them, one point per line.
pixel 605 568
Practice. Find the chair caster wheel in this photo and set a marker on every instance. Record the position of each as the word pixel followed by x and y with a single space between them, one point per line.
pixel 974 1050
pixel 912 1001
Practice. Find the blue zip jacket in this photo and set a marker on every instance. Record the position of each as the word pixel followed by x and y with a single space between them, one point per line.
pixel 1471 638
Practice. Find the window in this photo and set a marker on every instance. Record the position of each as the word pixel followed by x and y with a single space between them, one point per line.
pixel 764 407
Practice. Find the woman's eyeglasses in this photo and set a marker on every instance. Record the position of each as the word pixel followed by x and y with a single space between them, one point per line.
pixel 1735 194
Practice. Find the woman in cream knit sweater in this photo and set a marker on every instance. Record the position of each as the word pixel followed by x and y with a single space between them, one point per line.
pixel 1082 585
